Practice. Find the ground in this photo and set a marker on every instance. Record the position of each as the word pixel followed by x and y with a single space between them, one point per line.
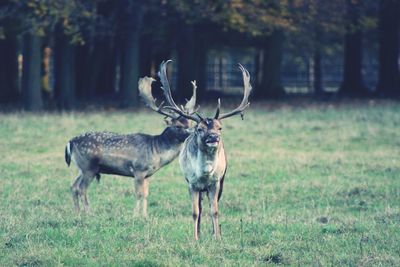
pixel 314 184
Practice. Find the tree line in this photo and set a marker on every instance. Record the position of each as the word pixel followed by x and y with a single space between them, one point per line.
pixel 98 43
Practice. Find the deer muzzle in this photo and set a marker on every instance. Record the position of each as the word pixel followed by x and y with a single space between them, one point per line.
pixel 212 140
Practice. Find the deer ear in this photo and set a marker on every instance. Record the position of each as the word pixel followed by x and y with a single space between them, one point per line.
pixel 168 121
pixel 190 130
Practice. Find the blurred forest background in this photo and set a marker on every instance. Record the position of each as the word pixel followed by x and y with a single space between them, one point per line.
pixel 59 54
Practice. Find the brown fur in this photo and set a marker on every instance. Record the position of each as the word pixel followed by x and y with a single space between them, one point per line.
pixel 202 159
pixel 134 155
pixel 203 163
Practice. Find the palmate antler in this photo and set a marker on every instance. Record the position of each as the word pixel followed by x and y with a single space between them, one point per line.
pixel 186 111
pixel 245 101
pixel 147 96
pixel 190 108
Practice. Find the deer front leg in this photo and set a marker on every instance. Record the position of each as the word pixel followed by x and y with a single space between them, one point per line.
pixel 200 209
pixel 139 194
pixel 196 212
pixel 213 195
pixel 145 195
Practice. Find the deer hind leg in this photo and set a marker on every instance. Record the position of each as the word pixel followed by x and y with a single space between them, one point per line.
pixel 195 212
pixel 87 178
pixel 213 196
pixel 75 190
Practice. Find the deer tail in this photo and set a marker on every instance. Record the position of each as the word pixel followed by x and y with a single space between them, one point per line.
pixel 68 152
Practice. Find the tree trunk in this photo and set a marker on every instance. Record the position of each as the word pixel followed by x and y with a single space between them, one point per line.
pixel 31 77
pixel 90 60
pixel 146 55
pixel 65 73
pixel 107 75
pixel 389 77
pixel 353 84
pixel 200 62
pixel 191 62
pixel 271 85
pixel 8 69
pixel 186 62
pixel 318 89
pixel 82 70
pixel 130 69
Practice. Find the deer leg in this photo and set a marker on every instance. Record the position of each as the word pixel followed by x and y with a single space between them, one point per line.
pixel 200 209
pixel 195 212
pixel 213 196
pixel 75 191
pixel 139 193
pixel 145 195
pixel 87 178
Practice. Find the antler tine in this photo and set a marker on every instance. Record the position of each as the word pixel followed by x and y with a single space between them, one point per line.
pixel 145 92
pixel 190 106
pixel 246 93
pixel 168 95
pixel 218 109
pixel 165 84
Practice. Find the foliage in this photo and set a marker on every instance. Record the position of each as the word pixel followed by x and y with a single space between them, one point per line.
pixel 306 185
pixel 83 19
pixel 43 16
pixel 253 17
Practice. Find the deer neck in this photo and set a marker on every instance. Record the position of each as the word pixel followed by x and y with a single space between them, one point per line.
pixel 208 157
pixel 167 146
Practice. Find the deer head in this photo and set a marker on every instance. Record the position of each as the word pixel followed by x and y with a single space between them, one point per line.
pixel 178 126
pixel 207 130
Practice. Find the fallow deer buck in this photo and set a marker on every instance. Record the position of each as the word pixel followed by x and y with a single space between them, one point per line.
pixel 133 155
pixel 202 158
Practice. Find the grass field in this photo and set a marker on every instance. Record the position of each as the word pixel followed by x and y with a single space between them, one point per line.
pixel 306 185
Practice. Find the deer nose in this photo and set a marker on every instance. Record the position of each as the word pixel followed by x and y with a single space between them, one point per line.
pixel 213 138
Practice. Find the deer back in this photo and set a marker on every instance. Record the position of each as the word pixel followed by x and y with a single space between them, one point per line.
pixel 104 152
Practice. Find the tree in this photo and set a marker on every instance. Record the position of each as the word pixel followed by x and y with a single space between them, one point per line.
pixel 353 84
pixel 65 72
pixel 31 75
pixel 130 44
pixel 389 77
pixel 96 58
pixel 8 68
pixel 36 19
pixel 256 20
pixel 271 85
pixel 317 66
pixel 191 60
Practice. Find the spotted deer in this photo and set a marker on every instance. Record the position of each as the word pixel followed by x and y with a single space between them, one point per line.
pixel 134 155
pixel 202 158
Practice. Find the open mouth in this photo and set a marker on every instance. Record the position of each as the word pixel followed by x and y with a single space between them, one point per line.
pixel 212 142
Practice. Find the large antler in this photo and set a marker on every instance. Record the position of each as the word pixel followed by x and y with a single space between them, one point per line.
pixel 168 95
pixel 245 102
pixel 147 96
pixel 190 106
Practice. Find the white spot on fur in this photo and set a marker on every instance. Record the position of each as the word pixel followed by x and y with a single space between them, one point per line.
pixel 69 148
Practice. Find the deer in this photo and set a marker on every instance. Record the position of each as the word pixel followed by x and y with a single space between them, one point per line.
pixel 132 155
pixel 202 158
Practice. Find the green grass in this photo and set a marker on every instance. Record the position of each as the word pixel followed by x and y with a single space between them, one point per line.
pixel 310 185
